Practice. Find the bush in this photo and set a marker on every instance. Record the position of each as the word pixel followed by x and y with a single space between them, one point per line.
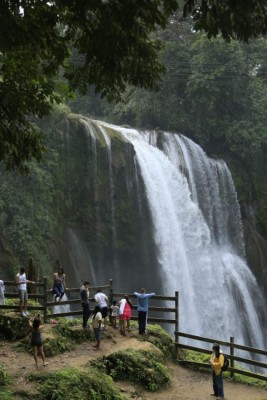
pixel 161 339
pixel 72 384
pixel 3 376
pixel 140 366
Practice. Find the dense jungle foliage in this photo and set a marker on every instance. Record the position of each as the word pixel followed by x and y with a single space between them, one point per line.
pixel 108 44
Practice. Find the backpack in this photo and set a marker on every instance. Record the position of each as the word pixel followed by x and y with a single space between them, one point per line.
pixel 226 363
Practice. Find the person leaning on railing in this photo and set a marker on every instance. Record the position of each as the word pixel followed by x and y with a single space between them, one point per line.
pixel 142 308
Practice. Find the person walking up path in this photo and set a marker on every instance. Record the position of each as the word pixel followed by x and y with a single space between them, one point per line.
pixel 142 308
pixel 21 281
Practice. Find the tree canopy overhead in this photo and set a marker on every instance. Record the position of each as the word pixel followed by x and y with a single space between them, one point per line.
pixel 238 19
pixel 112 43
pixel 112 46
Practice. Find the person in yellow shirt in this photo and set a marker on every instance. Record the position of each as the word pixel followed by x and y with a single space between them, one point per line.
pixel 216 362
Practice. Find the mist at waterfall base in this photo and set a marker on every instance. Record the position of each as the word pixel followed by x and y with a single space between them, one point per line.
pixel 198 246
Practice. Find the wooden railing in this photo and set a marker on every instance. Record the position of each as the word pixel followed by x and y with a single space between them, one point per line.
pixel 47 305
pixel 230 353
pixel 43 297
pixel 43 294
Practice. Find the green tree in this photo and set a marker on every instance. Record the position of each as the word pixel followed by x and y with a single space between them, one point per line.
pixel 237 19
pixel 112 46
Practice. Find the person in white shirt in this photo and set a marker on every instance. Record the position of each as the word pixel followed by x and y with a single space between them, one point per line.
pixel 102 301
pixel 21 281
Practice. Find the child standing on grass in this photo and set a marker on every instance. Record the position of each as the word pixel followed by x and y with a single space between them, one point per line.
pixel 36 340
pixel 96 319
pixel 114 314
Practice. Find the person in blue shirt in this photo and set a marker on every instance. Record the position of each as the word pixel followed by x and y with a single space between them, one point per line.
pixel 142 308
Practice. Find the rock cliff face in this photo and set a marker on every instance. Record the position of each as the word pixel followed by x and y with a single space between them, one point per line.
pixel 87 206
pixel 256 251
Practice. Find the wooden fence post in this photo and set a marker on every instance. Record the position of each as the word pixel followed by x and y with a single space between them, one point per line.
pixel 45 287
pixel 232 353
pixel 176 323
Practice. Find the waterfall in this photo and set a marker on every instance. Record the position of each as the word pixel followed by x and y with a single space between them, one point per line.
pixel 81 265
pixel 198 236
pixel 62 308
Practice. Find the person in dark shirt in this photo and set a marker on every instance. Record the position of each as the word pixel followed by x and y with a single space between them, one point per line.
pixel 84 294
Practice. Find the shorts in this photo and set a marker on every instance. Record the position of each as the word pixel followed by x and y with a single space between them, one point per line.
pixel 23 295
pixel 97 332
pixel 38 344
pixel 104 312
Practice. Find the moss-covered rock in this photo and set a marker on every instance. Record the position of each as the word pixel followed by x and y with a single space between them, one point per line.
pixel 58 338
pixel 12 326
pixel 74 384
pixel 141 366
pixel 161 339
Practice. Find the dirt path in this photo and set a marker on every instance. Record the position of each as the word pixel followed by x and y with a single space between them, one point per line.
pixel 185 384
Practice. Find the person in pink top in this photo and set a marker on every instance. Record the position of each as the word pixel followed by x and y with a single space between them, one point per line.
pixel 125 313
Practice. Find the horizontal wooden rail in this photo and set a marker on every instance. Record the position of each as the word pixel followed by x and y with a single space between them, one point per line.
pixel 10 307
pixel 249 361
pixel 203 339
pixel 248 373
pixel 12 283
pixel 67 314
pixel 161 320
pixel 30 295
pixel 250 349
pixel 193 348
pixel 63 303
pixel 132 296
pixel 91 288
pixel 223 343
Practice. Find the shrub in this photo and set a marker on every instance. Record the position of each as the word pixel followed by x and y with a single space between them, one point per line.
pixel 73 384
pixel 140 366
pixel 161 339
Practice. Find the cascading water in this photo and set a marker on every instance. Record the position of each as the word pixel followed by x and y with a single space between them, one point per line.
pixel 198 235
